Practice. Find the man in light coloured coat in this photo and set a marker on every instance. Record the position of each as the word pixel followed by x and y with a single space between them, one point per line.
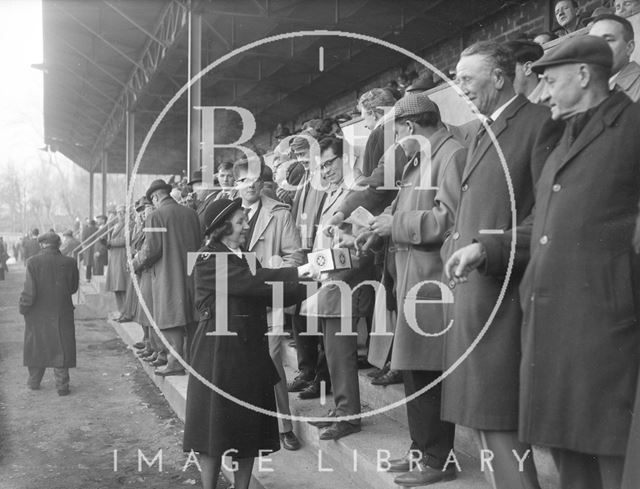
pixel 171 232
pixel 275 239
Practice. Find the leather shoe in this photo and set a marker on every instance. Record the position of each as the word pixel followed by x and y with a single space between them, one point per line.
pixel 151 358
pixel 324 424
pixel 339 429
pixel 33 387
pixel 391 377
pixel 313 391
pixel 166 372
pixel 159 362
pixel 424 475
pixel 63 392
pixel 289 441
pixel 139 345
pixel 298 384
pixel 145 353
pixel 379 372
pixel 403 464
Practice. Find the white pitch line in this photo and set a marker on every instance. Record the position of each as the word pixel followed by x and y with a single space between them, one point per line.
pixel 491 231
pixel 321 58
pixel 154 230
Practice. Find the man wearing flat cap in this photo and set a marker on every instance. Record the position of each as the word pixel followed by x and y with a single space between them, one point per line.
pixel 69 244
pixel 171 231
pixel 416 222
pixel 45 303
pixel 579 292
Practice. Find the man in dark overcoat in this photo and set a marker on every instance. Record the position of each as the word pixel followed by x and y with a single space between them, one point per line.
pixel 482 392
pixel 45 303
pixel 171 232
pixel 579 292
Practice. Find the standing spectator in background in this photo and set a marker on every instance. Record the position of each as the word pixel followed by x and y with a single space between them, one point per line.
pixel 100 252
pixel 87 256
pixel 627 8
pixel 618 32
pixel 30 245
pixel 372 106
pixel 172 232
pixel 45 303
pixel 69 244
pixel 566 12
pixel 116 281
pixel 4 256
pixel 226 181
pixel 526 82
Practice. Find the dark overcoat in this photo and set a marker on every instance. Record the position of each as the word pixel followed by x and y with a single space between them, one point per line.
pixel 239 365
pixel 173 231
pixel 421 217
pixel 482 392
pixel 580 291
pixel 45 303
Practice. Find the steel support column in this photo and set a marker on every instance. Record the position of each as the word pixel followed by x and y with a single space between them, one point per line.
pixel 91 194
pixel 195 65
pixel 103 169
pixel 130 146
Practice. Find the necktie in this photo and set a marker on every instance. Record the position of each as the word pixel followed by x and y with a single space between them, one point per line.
pixel 481 132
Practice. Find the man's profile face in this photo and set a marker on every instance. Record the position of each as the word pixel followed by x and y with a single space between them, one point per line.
pixel 476 78
pixel 612 32
pixel 565 13
pixel 563 90
pixel 249 188
pixel 627 8
pixel 225 179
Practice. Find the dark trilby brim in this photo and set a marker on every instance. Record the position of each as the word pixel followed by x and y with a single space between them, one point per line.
pixel 153 188
pixel 230 209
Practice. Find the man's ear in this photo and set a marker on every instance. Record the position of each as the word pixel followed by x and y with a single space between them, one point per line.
pixel 527 68
pixel 498 78
pixel 631 45
pixel 584 74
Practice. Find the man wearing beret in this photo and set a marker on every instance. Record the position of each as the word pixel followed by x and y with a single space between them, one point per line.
pixel 579 292
pixel 171 231
pixel 618 32
pixel 45 303
pixel 482 392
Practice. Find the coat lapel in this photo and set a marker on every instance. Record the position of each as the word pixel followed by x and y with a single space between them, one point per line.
pixel 607 114
pixel 262 221
pixel 498 127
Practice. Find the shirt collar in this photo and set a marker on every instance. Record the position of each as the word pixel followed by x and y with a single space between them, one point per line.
pixel 496 113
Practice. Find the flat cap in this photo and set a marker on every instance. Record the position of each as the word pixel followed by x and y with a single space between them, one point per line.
pixel 524 50
pixel 581 49
pixel 414 103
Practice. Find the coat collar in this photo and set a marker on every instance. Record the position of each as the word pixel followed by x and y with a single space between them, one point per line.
pixel 436 140
pixel 499 125
pixel 627 76
pixel 605 115
pixel 265 215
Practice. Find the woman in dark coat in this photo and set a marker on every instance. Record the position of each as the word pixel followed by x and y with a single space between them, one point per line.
pixel 238 365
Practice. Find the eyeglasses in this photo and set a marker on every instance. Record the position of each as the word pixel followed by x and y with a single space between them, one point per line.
pixel 328 163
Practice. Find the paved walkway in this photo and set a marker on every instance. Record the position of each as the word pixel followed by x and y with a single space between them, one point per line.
pixel 51 442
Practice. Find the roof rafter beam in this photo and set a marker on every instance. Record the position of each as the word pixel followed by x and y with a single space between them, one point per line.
pixel 171 23
pixel 133 22
pixel 89 84
pixel 99 37
pixel 94 63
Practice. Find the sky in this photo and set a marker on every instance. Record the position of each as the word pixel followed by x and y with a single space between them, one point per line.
pixel 21 131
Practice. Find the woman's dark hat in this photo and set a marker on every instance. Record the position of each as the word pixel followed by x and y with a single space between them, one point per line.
pixel 157 185
pixel 218 210
pixel 142 203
